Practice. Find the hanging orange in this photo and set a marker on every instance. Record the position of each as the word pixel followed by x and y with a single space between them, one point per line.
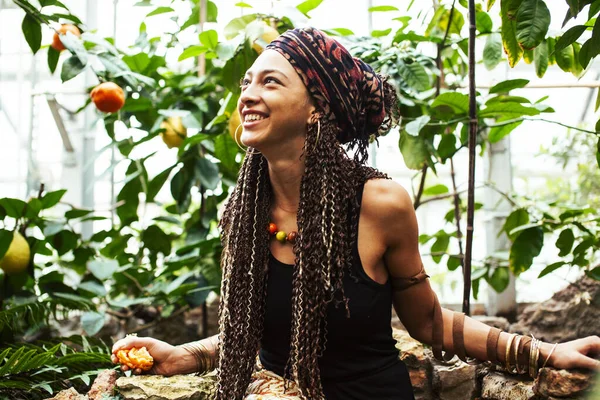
pixel 108 97
pixel 64 28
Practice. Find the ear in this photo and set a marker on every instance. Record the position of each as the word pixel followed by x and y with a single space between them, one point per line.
pixel 314 116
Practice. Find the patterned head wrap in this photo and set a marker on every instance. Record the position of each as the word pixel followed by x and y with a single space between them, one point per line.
pixel 344 87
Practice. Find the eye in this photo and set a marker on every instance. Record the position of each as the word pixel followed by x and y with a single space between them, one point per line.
pixel 244 82
pixel 270 79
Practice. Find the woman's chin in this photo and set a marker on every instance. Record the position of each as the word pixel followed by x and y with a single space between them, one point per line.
pixel 250 140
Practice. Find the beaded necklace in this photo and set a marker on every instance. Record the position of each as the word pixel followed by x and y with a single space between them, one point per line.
pixel 282 236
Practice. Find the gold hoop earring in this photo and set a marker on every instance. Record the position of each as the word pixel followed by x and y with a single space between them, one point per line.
pixel 318 131
pixel 238 142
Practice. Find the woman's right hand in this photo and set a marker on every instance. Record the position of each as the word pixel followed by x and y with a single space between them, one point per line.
pixel 166 357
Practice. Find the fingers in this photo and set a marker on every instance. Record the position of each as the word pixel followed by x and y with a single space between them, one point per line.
pixel 592 345
pixel 129 342
pixel 583 361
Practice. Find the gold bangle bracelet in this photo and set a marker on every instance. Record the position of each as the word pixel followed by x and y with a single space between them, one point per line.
pixel 534 353
pixel 517 342
pixel 549 354
pixel 507 355
pixel 536 358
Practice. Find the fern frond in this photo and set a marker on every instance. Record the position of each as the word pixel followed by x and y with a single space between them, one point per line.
pixel 39 312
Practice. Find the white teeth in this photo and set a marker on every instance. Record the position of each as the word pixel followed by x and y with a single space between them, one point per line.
pixel 254 117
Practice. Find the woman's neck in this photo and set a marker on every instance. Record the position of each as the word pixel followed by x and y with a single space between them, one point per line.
pixel 286 175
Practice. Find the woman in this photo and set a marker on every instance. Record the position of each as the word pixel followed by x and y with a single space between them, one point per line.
pixel 312 294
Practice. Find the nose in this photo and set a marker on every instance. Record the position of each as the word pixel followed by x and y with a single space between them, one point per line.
pixel 250 95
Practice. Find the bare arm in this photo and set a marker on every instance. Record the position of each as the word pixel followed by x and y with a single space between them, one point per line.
pixel 415 305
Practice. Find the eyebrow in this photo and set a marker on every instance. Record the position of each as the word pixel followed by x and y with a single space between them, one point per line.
pixel 267 71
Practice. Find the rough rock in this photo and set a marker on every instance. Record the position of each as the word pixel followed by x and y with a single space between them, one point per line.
pixel 178 387
pixel 103 384
pixel 414 355
pixel 562 383
pixel 456 381
pixel 552 320
pixel 497 386
pixel 69 394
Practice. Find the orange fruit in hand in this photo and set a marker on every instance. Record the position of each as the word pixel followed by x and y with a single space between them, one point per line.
pixel 108 97
pixel 64 28
pixel 136 358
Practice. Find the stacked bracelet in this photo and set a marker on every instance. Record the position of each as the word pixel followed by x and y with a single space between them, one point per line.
pixel 521 355
pixel 204 361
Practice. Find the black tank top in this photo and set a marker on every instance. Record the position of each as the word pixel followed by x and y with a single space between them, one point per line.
pixel 360 361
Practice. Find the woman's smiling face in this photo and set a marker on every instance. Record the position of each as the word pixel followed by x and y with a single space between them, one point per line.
pixel 275 106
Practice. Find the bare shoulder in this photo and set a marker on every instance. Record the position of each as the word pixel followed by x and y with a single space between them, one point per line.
pixel 386 198
pixel 388 205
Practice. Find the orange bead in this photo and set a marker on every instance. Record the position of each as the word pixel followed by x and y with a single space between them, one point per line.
pixel 291 237
pixel 272 228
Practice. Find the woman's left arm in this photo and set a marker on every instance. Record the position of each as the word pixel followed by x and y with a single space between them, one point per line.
pixel 392 209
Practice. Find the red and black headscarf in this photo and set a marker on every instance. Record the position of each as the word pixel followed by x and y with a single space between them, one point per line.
pixel 344 87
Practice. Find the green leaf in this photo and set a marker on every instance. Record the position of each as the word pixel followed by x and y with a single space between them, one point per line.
pixel 51 199
pixel 436 190
pixel 14 208
pixel 307 6
pixel 53 56
pixel 343 31
pixel 103 269
pixel 71 68
pixel 551 268
pixel 208 173
pixel 32 30
pixel 160 10
pixel 492 51
pixel 243 5
pixel 533 20
pixel 594 273
pixel 499 279
pixel 598 147
pixel 497 133
pixel 509 36
pixel 383 9
pixel 565 58
pixel 483 22
pixel 517 218
pixel 92 322
pixel 64 241
pixel 540 54
pixel 507 110
pixel 381 33
pixel 156 240
pixel 414 127
pixel 447 146
pixel 414 151
pixel 137 62
pixel 226 150
pixel 440 246
pixel 93 287
pixel 157 183
pixel 6 238
pixel 565 242
pixel 458 102
pixel 237 25
pixel 77 213
pixel 569 37
pixel 453 262
pixel 577 69
pixel 414 74
pixel 508 85
pixel 210 38
pixel 490 4
pixel 192 51
pixel 525 248
pixel 586 53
